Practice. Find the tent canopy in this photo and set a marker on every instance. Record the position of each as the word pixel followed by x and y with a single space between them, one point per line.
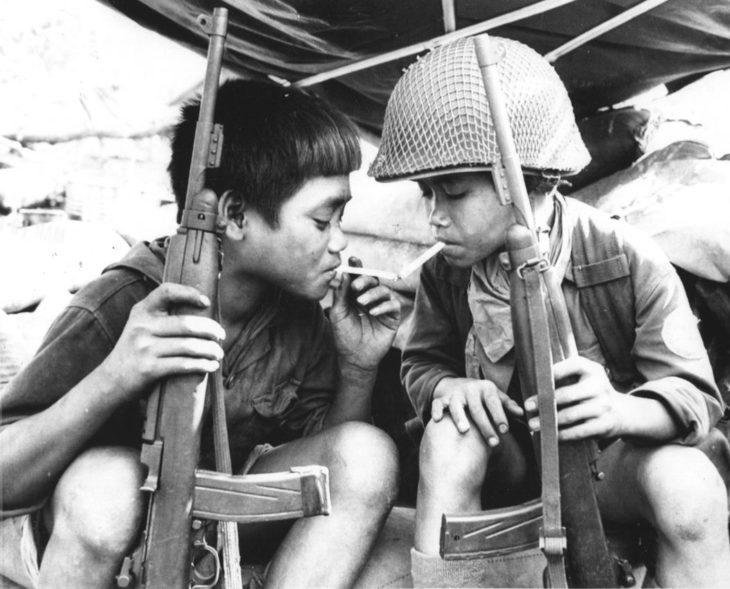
pixel 672 43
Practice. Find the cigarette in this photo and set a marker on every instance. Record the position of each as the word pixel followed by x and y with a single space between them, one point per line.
pixel 422 259
pixel 405 270
pixel 384 274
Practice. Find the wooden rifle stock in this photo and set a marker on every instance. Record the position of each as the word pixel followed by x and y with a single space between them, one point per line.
pixel 171 437
pixel 543 335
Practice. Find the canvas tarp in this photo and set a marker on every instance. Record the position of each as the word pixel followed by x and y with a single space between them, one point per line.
pixel 674 42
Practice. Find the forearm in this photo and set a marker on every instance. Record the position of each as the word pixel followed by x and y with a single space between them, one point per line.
pixel 353 400
pixel 36 450
pixel 647 419
pixel 421 378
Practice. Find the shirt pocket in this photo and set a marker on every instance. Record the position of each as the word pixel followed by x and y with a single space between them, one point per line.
pixel 274 403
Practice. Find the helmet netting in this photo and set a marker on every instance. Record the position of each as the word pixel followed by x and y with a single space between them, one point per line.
pixel 438 116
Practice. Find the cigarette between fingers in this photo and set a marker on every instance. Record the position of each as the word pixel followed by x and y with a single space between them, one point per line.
pixel 384 274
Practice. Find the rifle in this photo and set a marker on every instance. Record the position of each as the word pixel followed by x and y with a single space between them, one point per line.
pixel 175 410
pixel 543 334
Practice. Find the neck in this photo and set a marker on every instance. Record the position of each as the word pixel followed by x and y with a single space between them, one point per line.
pixel 543 209
pixel 239 296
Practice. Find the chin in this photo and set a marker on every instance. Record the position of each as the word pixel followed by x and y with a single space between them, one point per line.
pixel 314 292
pixel 458 262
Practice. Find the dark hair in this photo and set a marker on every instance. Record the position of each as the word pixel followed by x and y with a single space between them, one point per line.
pixel 274 140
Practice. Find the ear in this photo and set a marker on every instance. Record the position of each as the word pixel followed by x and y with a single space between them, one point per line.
pixel 232 212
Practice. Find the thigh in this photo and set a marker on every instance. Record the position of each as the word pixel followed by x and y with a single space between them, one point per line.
pixel 346 447
pixel 349 451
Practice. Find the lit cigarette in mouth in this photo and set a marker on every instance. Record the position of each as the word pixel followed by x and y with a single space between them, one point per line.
pixel 404 271
pixel 421 260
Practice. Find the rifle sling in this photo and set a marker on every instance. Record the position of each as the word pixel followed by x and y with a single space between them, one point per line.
pixel 227 530
pixel 553 535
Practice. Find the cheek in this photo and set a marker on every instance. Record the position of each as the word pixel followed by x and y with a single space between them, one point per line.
pixel 307 248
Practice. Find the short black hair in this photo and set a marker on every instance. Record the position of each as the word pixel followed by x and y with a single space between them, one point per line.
pixel 275 139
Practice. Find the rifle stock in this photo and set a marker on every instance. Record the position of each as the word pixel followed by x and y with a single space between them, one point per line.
pixel 543 335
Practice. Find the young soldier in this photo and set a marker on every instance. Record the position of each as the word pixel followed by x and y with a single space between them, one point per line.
pixel 459 359
pixel 293 378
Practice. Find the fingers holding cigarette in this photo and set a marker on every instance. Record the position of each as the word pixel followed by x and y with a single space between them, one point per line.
pixel 352 285
pixel 384 274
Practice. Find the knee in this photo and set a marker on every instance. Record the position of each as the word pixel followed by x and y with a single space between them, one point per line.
pixel 451 460
pixel 363 464
pixel 98 503
pixel 686 494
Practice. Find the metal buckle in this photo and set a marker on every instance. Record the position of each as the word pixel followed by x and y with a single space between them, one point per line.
pixel 539 263
pixel 553 543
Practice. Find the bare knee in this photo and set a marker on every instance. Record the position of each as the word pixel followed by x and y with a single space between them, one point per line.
pixel 686 495
pixel 363 464
pixel 450 460
pixel 98 503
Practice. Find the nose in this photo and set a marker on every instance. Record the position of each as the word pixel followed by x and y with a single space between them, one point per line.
pixel 437 216
pixel 338 240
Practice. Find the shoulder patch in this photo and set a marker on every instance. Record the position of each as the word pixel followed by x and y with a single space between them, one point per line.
pixel 681 336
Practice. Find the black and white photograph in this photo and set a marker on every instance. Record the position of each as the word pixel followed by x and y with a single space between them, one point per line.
pixel 364 294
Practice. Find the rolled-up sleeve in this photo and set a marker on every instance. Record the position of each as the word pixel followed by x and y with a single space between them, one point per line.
pixel 668 349
pixel 75 344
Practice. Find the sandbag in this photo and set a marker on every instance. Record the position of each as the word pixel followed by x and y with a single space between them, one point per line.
pixel 62 254
pixel 677 195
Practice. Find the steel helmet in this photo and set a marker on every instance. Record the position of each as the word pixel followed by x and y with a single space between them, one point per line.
pixel 438 120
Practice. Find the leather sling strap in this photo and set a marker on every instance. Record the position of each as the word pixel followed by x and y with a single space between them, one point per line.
pixel 552 538
pixel 228 530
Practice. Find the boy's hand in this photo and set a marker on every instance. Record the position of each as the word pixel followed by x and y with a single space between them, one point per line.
pixel 485 403
pixel 588 406
pixel 155 345
pixel 364 318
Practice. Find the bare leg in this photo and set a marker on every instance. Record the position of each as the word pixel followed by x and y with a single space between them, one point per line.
pixel 94 517
pixel 330 551
pixel 452 470
pixel 678 491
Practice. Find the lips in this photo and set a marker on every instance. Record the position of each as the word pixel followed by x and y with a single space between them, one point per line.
pixel 448 245
pixel 331 269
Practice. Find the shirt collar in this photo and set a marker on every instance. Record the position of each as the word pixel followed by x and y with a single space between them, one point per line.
pixel 488 289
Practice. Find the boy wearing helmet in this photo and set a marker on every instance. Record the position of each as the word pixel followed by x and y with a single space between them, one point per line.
pixel 459 360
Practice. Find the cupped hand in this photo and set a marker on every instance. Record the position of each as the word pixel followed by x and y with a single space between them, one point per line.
pixel 365 317
pixel 588 405
pixel 155 344
pixel 484 403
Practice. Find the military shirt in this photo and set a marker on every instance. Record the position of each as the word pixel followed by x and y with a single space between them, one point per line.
pixel 668 352
pixel 280 373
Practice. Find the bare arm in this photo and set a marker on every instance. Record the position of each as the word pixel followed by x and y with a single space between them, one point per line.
pixel 153 345
pixel 364 319
pixel 589 406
